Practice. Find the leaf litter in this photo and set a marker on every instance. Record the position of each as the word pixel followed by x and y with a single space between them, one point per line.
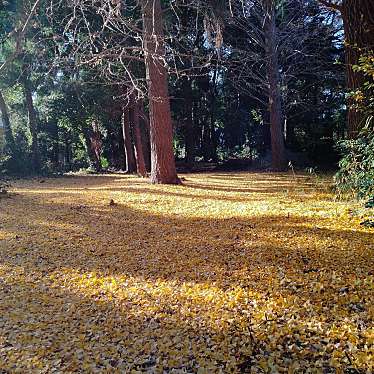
pixel 228 273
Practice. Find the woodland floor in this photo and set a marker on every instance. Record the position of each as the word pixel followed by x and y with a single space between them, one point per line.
pixel 239 272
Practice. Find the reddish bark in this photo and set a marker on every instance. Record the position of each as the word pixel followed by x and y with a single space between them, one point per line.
pixel 358 20
pixel 161 133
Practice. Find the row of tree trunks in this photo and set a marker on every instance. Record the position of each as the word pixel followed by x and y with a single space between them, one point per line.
pixel 163 168
pixel 139 145
pixel 275 102
pixel 135 139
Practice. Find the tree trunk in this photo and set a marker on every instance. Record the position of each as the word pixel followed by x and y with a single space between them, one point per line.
pixel 130 166
pixel 139 153
pixel 94 161
pixel 275 103
pixel 8 135
pixel 213 134
pixel 145 136
pixel 96 146
pixel 161 132
pixel 358 20
pixel 33 123
pixel 188 123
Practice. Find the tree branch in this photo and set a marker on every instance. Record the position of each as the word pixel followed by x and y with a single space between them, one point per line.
pixel 332 5
pixel 19 33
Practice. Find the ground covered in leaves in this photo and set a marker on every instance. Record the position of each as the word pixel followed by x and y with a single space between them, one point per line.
pixel 227 273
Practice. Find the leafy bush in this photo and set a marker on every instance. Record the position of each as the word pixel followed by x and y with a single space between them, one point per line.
pixel 356 168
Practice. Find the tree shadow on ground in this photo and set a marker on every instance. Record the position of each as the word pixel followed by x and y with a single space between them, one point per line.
pixel 297 272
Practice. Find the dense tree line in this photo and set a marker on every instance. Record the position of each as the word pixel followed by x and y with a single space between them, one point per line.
pixel 138 85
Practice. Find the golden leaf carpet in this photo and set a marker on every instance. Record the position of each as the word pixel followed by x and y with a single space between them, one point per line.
pixel 227 273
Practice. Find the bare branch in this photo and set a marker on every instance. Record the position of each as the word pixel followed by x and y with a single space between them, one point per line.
pixel 19 33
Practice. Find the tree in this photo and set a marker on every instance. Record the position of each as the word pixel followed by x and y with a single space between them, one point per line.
pixel 138 142
pixel 32 118
pixel 128 147
pixel 266 37
pixel 275 103
pixel 358 24
pixel 161 132
pixel 108 35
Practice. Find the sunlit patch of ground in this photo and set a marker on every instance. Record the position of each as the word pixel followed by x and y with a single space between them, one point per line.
pixel 261 273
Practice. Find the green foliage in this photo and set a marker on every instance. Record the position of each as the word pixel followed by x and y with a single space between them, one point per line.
pixel 356 168
pixel 370 203
pixel 368 223
pixel 104 163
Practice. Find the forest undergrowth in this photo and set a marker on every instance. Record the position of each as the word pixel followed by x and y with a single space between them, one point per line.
pixel 230 273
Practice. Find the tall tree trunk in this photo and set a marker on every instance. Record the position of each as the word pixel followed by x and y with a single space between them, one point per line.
pixel 275 103
pixel 161 132
pixel 145 136
pixel 213 135
pixel 188 123
pixel 139 152
pixel 33 123
pixel 129 150
pixel 358 20
pixel 8 135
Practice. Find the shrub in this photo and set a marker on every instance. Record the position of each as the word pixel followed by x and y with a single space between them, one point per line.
pixel 356 168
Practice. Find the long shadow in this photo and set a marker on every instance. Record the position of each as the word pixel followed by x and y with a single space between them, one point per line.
pixel 312 273
pixel 216 246
pixel 250 190
pixel 266 185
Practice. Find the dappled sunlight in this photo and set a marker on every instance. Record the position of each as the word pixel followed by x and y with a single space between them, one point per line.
pixel 271 275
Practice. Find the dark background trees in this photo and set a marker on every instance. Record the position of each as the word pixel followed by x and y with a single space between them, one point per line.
pixel 139 86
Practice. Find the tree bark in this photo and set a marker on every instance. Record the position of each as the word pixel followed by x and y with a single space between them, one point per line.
pixel 275 103
pixel 358 21
pixel 145 136
pixel 213 134
pixel 161 132
pixel 188 124
pixel 130 166
pixel 94 161
pixel 8 135
pixel 96 146
pixel 33 122
pixel 139 152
